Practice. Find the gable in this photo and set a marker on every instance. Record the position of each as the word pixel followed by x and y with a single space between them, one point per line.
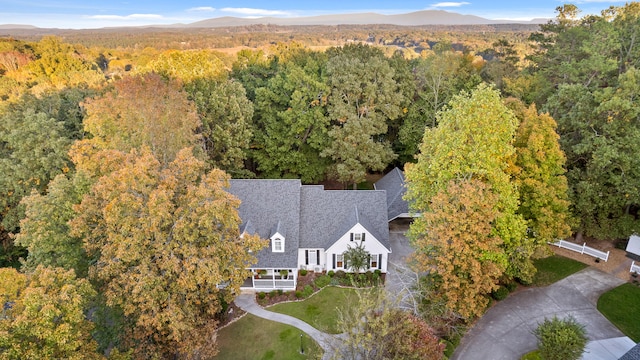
pixel 269 207
pixel 346 240
pixel 326 215
pixel 394 185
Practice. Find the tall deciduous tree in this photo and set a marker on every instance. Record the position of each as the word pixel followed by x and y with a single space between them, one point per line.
pixel 540 176
pixel 364 96
pixel 473 140
pixel 438 78
pixel 45 230
pixel 167 247
pixel 45 316
pixel 188 65
pixel 292 122
pixel 460 246
pixel 225 113
pixel 143 110
pixel 59 65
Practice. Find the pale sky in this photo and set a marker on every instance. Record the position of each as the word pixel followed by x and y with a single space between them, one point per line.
pixel 77 14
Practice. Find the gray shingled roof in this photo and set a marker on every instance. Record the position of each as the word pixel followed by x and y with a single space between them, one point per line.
pixel 632 354
pixel 264 205
pixel 394 185
pixel 328 214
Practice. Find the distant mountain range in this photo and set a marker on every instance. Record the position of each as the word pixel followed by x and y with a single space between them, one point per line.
pixel 418 18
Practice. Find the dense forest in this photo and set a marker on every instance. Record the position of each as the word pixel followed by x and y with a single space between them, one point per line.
pixel 116 149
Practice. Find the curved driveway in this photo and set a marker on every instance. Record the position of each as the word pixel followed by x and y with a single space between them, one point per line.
pixel 505 331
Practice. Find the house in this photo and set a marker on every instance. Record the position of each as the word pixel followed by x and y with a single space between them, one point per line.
pixel 394 185
pixel 309 228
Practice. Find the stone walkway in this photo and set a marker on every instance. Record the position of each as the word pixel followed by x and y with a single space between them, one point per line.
pixel 327 342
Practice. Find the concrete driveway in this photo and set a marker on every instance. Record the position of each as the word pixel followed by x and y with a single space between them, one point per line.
pixel 504 332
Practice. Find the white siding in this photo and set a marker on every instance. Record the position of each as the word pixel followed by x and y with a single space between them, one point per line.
pixel 313 259
pixel 371 244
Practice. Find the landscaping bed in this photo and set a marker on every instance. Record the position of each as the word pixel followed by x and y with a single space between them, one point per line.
pixel 311 282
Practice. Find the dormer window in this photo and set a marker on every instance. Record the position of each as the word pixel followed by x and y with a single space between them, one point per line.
pixel 357 236
pixel 278 245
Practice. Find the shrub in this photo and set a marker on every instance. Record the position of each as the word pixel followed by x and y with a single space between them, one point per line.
pixel 261 295
pixel 561 339
pixel 307 291
pixel 362 280
pixel 340 274
pixel 322 281
pixel 500 293
pixel 298 294
pixel 377 272
pixel 272 294
pixel 331 273
pixel 279 291
pixel 303 272
pixel 511 286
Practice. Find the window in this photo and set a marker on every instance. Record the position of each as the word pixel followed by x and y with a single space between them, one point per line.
pixel 373 261
pixel 278 245
pixel 340 260
pixel 357 236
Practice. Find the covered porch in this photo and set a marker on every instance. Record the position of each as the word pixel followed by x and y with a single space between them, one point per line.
pixel 267 279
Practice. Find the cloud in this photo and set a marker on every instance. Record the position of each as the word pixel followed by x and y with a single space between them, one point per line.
pixel 126 17
pixel 255 12
pixel 202 9
pixel 450 4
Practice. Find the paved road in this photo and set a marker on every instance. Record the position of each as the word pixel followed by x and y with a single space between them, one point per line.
pixel 327 342
pixel 504 332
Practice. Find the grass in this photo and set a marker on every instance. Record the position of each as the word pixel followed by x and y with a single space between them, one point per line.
pixel 554 268
pixel 534 355
pixel 320 310
pixel 253 338
pixel 622 307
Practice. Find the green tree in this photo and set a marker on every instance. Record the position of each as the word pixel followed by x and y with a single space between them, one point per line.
pixel 438 78
pixel 561 339
pixel 292 122
pixel 473 140
pixel 364 97
pixel 540 176
pixel 357 258
pixel 167 248
pixel 46 317
pixel 45 229
pixel 225 113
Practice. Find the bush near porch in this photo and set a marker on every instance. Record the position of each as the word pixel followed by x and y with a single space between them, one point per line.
pixel 311 282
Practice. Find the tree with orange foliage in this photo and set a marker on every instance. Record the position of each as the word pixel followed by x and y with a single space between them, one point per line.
pixel 167 249
pixel 460 248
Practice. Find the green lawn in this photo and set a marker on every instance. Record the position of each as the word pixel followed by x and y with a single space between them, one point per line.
pixel 320 310
pixel 554 268
pixel 253 338
pixel 622 307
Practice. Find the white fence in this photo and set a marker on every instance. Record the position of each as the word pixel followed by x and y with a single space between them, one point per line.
pixel 583 249
pixel 634 268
